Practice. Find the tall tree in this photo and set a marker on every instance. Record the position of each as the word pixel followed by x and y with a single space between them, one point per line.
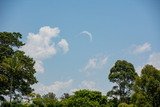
pixel 8 41
pixel 147 86
pixel 16 69
pixel 123 74
pixel 12 66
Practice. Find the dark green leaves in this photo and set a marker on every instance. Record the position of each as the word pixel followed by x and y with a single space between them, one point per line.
pixel 123 74
pixel 147 87
pixel 16 69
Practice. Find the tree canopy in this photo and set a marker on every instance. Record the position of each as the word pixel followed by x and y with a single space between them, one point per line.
pixel 85 98
pixel 147 87
pixel 123 74
pixel 16 69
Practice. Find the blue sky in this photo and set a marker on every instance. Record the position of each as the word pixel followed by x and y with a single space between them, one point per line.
pixel 76 42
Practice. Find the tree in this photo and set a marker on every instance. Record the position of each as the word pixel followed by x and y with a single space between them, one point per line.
pixel 124 75
pixel 47 100
pixel 16 69
pixel 50 95
pixel 11 66
pixel 126 105
pixel 65 96
pixel 8 41
pixel 147 87
pixel 20 73
pixel 140 99
pixel 85 98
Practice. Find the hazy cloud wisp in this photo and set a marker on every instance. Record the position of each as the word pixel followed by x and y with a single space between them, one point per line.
pixel 154 59
pixel 86 33
pixel 56 87
pixel 95 63
pixel 137 49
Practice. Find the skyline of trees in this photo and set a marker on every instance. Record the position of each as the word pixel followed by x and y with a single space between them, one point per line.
pixel 17 74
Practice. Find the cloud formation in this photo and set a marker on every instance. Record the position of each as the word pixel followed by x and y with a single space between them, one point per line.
pixel 95 63
pixel 138 69
pixel 137 49
pixel 86 33
pixel 64 45
pixel 91 85
pixel 40 46
pixel 154 59
pixel 57 87
pixel 88 84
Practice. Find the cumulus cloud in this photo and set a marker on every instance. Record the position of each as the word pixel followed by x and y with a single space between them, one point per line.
pixel 40 46
pixel 57 87
pixel 95 63
pixel 154 59
pixel 137 49
pixel 86 33
pixel 64 45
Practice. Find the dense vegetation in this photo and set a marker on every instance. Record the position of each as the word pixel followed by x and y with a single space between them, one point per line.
pixel 17 75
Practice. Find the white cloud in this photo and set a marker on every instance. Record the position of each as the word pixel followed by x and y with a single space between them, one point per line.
pixel 64 45
pixel 86 33
pixel 154 59
pixel 39 66
pixel 138 70
pixel 137 49
pixel 91 85
pixel 95 63
pixel 92 64
pixel 88 84
pixel 40 46
pixel 57 87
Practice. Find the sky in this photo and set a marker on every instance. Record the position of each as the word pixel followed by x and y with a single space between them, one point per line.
pixel 75 43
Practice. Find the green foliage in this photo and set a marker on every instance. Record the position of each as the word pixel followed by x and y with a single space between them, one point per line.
pixel 123 74
pixel 50 95
pixel 147 87
pixel 140 100
pixel 123 105
pixel 7 42
pixel 113 102
pixel 85 98
pixel 47 100
pixel 16 69
pixel 13 104
pixel 65 96
pixel 127 105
